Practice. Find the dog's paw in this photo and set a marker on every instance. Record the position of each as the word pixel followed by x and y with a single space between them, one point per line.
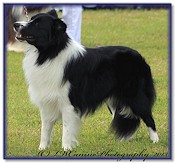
pixel 66 148
pixel 69 147
pixel 43 146
pixel 153 136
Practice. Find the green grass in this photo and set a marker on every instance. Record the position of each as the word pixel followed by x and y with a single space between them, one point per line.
pixel 144 30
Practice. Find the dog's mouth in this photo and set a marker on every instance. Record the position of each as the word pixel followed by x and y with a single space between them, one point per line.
pixel 22 32
pixel 21 37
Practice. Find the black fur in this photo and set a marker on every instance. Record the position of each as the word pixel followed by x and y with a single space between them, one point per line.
pixel 124 127
pixel 104 72
pixel 118 72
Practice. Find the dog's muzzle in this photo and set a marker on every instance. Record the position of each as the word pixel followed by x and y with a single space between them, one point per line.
pixel 18 26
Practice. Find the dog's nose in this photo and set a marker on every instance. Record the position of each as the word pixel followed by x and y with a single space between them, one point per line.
pixel 17 26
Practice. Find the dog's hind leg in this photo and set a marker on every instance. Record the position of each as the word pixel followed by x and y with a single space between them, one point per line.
pixel 149 121
pixel 71 126
pixel 49 115
pixel 142 108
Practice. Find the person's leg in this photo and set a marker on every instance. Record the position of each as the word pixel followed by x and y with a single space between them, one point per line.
pixel 72 16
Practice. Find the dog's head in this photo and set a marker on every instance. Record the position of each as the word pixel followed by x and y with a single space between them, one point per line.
pixel 42 30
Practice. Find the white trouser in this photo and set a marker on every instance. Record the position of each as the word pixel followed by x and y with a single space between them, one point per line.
pixel 72 16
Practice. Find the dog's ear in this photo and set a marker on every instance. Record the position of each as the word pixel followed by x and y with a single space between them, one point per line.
pixel 53 13
pixel 60 25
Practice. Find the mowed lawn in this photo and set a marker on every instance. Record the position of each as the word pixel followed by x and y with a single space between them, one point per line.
pixel 143 30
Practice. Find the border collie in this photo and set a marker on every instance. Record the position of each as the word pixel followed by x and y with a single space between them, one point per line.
pixel 68 81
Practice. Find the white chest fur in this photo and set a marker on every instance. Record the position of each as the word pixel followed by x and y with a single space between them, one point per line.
pixel 45 81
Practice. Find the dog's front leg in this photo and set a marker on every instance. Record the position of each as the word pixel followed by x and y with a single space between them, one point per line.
pixel 49 115
pixel 46 130
pixel 71 126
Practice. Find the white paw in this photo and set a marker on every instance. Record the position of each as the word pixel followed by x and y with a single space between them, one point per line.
pixel 154 138
pixel 43 146
pixel 66 147
pixel 153 135
pixel 70 146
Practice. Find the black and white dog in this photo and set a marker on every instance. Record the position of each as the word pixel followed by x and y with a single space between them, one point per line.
pixel 69 81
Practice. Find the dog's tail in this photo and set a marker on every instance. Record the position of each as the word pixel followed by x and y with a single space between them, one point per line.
pixel 125 124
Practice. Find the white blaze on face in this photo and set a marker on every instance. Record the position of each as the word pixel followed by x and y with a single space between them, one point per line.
pixel 21 24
